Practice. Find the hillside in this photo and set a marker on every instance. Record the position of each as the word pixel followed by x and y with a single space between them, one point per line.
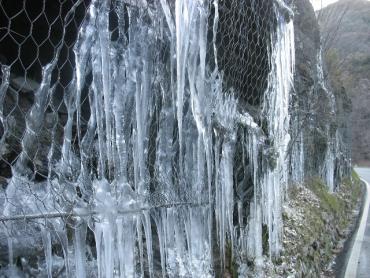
pixel 345 31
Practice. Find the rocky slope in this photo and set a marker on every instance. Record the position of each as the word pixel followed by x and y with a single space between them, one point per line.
pixel 345 29
pixel 316 226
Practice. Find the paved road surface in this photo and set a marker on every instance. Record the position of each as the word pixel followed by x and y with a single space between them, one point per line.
pixel 359 262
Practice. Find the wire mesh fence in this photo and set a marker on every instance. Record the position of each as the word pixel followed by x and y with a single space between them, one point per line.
pixel 75 147
pixel 109 114
pixel 38 33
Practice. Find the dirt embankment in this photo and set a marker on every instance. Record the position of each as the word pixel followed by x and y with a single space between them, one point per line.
pixel 316 226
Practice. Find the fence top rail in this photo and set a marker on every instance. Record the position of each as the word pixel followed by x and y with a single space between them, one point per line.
pixel 63 214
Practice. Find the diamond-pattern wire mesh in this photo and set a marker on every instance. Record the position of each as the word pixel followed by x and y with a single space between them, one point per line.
pixel 36 33
pixel 32 35
pixel 243 41
pixel 31 32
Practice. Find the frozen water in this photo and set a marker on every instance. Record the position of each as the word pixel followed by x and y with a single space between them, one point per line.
pixel 328 167
pixel 153 171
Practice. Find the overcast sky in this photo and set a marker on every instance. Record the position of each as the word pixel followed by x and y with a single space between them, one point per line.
pixel 317 3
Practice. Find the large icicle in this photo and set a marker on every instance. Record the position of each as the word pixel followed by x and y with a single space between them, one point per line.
pixel 274 179
pixel 328 166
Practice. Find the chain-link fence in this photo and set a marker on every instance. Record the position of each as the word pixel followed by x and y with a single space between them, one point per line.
pixel 36 37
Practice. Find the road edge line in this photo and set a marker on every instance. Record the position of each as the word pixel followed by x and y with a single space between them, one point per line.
pixel 351 269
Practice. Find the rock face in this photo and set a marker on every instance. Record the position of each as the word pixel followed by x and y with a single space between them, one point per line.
pixel 345 32
pixel 319 113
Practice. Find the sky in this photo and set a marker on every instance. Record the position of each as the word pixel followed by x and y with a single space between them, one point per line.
pixel 317 3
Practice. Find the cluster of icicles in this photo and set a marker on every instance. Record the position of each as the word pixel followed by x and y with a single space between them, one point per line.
pixel 163 132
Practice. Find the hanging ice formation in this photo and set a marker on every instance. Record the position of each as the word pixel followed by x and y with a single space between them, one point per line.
pixel 328 167
pixel 317 146
pixel 170 164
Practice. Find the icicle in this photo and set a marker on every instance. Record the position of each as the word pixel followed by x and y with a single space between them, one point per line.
pixel 140 243
pixel 82 54
pixel 10 250
pixel 104 41
pixel 329 164
pixel 276 111
pixel 46 239
pixel 148 240
pixel 99 249
pixel 79 241
pixel 64 243
pixel 161 239
pixel 5 70
pixel 329 159
pixel 126 246
pixel 297 155
pixel 108 240
pixel 184 13
pixel 226 193
pixel 35 121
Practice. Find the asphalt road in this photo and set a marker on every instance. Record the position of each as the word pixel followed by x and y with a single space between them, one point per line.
pixel 359 261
